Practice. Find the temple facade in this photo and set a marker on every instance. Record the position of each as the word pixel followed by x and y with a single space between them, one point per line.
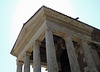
pixel 57 42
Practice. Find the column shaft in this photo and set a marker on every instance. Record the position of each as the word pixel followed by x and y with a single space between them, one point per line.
pixel 74 65
pixel 27 63
pixel 50 51
pixel 19 67
pixel 88 58
pixel 36 57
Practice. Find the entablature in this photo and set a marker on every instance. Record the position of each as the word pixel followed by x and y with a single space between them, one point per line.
pixel 63 25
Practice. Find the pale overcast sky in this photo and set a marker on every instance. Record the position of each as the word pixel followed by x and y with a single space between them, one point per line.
pixel 13 13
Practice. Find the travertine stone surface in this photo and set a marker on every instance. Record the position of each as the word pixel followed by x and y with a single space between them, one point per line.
pixel 19 67
pixel 27 62
pixel 96 57
pixel 40 27
pixel 50 51
pixel 72 55
pixel 88 58
pixel 36 57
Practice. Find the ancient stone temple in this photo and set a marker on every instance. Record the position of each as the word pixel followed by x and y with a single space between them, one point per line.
pixel 57 42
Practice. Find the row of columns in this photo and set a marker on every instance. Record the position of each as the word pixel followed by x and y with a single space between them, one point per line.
pixel 51 56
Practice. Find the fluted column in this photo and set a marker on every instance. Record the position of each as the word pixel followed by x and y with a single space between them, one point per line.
pixel 19 66
pixel 74 65
pixel 36 57
pixel 27 62
pixel 88 58
pixel 50 52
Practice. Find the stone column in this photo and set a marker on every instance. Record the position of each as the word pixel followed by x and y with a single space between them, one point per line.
pixel 74 65
pixel 50 52
pixel 88 58
pixel 27 62
pixel 36 57
pixel 19 66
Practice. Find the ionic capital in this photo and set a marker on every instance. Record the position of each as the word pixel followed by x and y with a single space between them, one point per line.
pixel 37 42
pixel 49 29
pixel 19 62
pixel 83 41
pixel 27 53
pixel 66 36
